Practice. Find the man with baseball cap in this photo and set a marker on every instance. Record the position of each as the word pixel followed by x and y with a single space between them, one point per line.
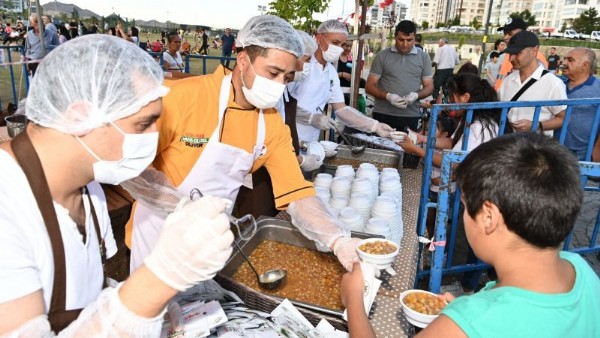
pixel 529 82
pixel 510 28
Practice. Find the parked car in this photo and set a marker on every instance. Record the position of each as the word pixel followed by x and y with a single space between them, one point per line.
pixel 570 34
pixel 583 36
pixel 595 35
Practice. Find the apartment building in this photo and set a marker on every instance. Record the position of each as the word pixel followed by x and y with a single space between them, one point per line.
pixel 380 17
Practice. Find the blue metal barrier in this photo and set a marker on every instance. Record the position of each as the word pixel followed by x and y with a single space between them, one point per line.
pixel 186 60
pixel 441 267
pixel 8 57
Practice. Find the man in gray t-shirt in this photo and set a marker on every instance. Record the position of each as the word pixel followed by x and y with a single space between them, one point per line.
pixel 399 77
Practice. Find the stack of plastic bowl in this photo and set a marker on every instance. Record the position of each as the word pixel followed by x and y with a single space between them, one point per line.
pixel 340 186
pixel 389 172
pixel 377 226
pixel 364 186
pixel 361 202
pixel 351 218
pixel 372 174
pixel 386 209
pixel 323 180
pixel 345 170
pixel 337 203
pixel 323 193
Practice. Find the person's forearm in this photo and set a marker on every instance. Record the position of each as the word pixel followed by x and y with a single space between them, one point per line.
pixel 373 90
pixel 426 90
pixel 144 294
pixel 358 322
pixel 554 123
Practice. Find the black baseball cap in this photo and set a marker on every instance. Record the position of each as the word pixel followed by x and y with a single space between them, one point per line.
pixel 520 41
pixel 512 24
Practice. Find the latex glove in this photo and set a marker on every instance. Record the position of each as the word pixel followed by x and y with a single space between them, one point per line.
pixel 396 100
pixel 194 244
pixel 383 130
pixel 410 98
pixel 310 162
pixel 344 249
pixel 321 121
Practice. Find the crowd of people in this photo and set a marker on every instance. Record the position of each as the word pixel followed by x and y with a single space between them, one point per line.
pixel 244 128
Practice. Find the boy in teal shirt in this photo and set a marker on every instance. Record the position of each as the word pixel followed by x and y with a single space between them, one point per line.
pixel 522 194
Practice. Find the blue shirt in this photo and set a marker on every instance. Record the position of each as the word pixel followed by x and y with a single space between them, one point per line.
pixel 227 41
pixel 513 312
pixel 582 117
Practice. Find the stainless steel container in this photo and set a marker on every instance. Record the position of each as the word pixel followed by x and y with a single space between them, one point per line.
pixel 386 157
pixel 283 232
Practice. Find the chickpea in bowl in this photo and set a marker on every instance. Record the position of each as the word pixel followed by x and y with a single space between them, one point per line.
pixel 377 251
pixel 421 307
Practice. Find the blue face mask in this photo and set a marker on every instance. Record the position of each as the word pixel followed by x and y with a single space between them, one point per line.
pixel 349 64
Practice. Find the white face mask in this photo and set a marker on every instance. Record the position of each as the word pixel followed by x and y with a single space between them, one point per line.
pixel 302 74
pixel 139 150
pixel 333 52
pixel 264 93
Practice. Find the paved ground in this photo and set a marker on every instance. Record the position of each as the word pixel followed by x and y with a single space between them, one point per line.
pixel 585 225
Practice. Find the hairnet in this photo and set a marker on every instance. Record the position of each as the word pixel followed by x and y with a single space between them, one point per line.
pixel 310 45
pixel 90 81
pixel 332 26
pixel 270 31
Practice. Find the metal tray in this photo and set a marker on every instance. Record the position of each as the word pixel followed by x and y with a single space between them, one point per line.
pixel 389 158
pixel 283 232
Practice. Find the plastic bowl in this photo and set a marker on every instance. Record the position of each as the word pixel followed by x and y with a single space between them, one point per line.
pixel 418 319
pixel 398 135
pixel 380 261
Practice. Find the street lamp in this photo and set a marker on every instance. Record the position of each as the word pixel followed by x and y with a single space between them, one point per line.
pixel 262 9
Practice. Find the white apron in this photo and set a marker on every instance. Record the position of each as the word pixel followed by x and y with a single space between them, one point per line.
pixel 312 93
pixel 220 171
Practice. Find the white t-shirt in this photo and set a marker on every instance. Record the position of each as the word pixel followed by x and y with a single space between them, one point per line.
pixel 548 87
pixel 446 57
pixel 26 262
pixel 321 86
pixel 175 63
pixel 477 136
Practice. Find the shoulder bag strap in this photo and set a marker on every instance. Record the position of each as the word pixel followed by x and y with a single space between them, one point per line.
pixel 526 86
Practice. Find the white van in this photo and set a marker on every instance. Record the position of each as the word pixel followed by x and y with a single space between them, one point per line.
pixel 595 35
pixel 571 34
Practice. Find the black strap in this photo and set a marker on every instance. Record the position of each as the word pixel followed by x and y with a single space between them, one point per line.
pixel 526 86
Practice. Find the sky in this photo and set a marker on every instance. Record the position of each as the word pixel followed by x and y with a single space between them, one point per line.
pixel 213 13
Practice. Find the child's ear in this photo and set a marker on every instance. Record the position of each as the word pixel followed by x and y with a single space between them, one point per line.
pixel 491 217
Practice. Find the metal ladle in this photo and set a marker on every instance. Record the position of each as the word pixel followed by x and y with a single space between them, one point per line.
pixel 269 280
pixel 354 149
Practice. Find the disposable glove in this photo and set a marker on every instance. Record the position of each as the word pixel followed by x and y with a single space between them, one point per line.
pixel 345 250
pixel 310 162
pixel 321 121
pixel 383 130
pixel 396 100
pixel 194 244
pixel 411 97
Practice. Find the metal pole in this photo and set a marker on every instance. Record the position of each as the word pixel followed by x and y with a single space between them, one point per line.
pixel 39 11
pixel 485 35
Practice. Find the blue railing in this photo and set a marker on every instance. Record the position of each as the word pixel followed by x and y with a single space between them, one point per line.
pixel 441 266
pixel 14 67
pixel 187 58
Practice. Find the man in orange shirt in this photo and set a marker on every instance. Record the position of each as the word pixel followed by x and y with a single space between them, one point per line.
pixel 512 27
pixel 217 129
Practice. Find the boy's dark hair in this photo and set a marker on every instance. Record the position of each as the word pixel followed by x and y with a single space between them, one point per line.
pixel 406 27
pixel 494 54
pixel 534 182
pixel 418 38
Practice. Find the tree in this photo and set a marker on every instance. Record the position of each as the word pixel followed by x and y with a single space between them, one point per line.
pixel 563 28
pixel 74 14
pixel 525 15
pixel 587 22
pixel 299 12
pixel 425 25
pixel 455 21
pixel 475 24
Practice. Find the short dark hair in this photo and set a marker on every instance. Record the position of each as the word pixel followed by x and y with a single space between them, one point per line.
pixel 494 54
pixel 532 179
pixel 406 27
pixel 418 38
pixel 253 51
